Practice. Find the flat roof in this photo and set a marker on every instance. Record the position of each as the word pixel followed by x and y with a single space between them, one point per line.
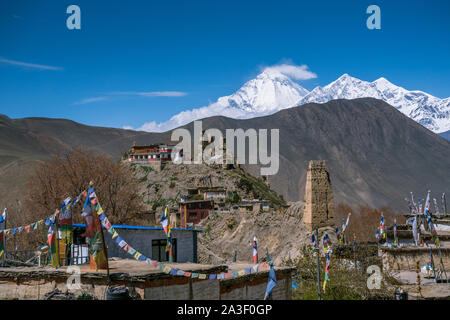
pixel 121 226
pixel 195 201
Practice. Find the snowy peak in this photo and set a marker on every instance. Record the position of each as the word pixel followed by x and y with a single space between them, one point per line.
pixel 429 111
pixel 269 92
pixel 384 83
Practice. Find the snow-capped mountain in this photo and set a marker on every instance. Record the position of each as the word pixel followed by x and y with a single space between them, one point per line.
pixel 268 93
pixel 431 112
pixel 272 90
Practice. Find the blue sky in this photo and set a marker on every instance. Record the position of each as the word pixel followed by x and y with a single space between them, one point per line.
pixel 189 53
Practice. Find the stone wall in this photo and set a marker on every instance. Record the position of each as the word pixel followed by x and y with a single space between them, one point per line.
pixel 18 285
pixel 405 258
pixel 319 199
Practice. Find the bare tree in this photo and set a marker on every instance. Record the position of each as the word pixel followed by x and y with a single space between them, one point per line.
pixel 365 220
pixel 67 176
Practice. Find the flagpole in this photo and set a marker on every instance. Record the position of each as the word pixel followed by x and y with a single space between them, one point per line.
pixel 91 184
pixel 185 219
pixel 169 236
pixel 4 238
pixel 103 244
pixel 57 240
pixel 318 265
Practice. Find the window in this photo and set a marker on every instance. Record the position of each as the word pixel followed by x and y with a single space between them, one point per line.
pixel 159 252
pixel 193 215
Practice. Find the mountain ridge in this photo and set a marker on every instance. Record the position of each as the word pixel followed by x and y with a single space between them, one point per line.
pixel 272 91
pixel 376 155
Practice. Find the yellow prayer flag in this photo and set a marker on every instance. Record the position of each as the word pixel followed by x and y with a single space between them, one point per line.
pixel 202 276
pixel 115 235
pixel 241 273
pixel 137 255
pixel 100 210
pixel 167 269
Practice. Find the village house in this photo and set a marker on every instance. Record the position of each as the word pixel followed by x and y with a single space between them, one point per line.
pixel 216 194
pixel 149 153
pixel 253 206
pixel 151 242
pixel 194 211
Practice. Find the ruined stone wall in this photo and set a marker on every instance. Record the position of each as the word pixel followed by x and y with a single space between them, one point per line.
pixel 405 259
pixel 319 199
pixel 252 287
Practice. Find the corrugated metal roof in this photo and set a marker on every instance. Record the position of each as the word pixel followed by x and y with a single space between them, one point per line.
pixel 119 226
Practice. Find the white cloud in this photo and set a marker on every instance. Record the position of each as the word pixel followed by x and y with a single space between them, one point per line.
pixel 29 65
pixel 132 93
pixel 293 71
pixel 90 100
pixel 187 116
pixel 151 93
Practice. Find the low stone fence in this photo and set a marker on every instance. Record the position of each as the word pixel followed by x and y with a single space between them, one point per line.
pixel 406 258
pixel 33 284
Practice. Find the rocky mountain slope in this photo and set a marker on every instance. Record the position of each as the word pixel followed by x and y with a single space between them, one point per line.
pixel 164 188
pixel 281 232
pixel 375 154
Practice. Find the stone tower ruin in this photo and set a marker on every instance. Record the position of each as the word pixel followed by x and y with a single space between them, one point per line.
pixel 319 200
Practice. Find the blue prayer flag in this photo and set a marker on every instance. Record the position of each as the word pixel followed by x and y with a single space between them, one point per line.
pixel 271 283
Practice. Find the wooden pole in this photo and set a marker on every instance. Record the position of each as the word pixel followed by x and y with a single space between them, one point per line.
pixel 170 243
pixel 4 241
pixel 318 265
pixel 57 241
pixel 185 218
pixel 103 243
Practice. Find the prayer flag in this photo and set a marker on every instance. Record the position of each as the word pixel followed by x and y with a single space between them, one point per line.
pixel 377 235
pixel 314 242
pixel 395 232
pixel 51 241
pixel 415 234
pixel 444 203
pixel 2 245
pixel 255 250
pixel 436 207
pixel 3 216
pixel 165 221
pixel 271 283
pixel 382 227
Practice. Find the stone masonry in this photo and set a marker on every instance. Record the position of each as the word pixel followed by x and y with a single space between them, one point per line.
pixel 319 199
